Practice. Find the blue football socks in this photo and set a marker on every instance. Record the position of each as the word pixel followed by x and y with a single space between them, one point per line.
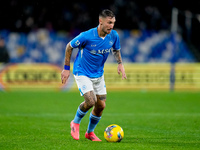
pixel 79 115
pixel 93 122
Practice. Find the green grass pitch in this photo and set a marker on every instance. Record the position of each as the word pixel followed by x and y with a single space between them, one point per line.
pixel 150 120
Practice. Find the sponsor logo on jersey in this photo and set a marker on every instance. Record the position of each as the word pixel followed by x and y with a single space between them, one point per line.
pixel 101 51
pixel 93 52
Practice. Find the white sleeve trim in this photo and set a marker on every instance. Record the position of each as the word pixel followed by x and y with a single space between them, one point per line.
pixel 70 44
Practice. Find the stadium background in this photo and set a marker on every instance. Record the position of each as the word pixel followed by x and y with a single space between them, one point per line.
pixel 37 32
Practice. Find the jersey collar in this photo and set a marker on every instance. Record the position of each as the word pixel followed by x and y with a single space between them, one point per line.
pixel 96 33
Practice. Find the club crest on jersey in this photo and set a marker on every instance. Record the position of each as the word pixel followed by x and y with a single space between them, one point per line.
pixel 111 43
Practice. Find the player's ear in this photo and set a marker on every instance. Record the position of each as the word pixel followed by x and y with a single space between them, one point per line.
pixel 100 20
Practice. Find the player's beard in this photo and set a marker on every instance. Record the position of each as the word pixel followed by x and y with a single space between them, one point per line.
pixel 107 31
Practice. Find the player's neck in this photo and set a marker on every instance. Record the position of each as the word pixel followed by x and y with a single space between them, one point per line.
pixel 100 32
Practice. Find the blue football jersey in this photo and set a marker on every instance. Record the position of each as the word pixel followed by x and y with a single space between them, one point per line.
pixel 93 52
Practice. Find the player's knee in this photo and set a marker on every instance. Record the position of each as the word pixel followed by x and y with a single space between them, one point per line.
pixel 101 106
pixel 90 99
pixel 91 103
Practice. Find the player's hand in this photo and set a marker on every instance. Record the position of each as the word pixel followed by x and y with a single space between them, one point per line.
pixel 120 69
pixel 64 76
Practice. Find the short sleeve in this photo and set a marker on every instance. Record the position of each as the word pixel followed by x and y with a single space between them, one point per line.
pixel 78 40
pixel 116 45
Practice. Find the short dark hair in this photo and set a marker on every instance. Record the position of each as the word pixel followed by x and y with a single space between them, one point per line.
pixel 106 13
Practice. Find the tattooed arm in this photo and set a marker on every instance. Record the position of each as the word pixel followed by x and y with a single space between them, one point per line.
pixel 117 56
pixel 68 53
pixel 120 67
pixel 65 73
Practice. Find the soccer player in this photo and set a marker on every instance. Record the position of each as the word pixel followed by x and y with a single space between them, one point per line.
pixel 94 47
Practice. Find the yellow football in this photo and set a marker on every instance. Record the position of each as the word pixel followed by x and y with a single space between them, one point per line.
pixel 113 133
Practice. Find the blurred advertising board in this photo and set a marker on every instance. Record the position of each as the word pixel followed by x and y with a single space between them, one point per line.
pixel 187 76
pixel 154 77
pixel 38 76
pixel 139 76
